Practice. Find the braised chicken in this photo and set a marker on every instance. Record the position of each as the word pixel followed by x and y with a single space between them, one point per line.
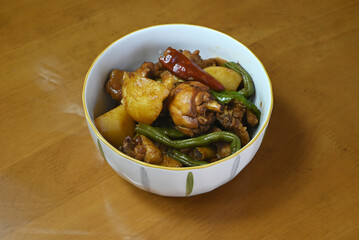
pixel 143 149
pixel 114 85
pixel 187 111
pixel 145 70
pixel 192 108
pixel 196 58
pixel 223 150
pixel 169 80
pixel 231 119
pixel 252 119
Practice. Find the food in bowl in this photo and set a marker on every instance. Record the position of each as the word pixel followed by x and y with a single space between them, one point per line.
pixel 128 53
pixel 181 111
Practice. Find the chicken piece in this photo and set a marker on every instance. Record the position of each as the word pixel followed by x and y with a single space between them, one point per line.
pixel 170 162
pixel 232 113
pixel 143 97
pixel 145 70
pixel 223 149
pixel 128 147
pixel 242 133
pixel 158 69
pixel 150 70
pixel 196 58
pixel 252 119
pixel 238 109
pixel 146 151
pixel 231 119
pixel 169 80
pixel 192 108
pixel 142 149
pixel 114 84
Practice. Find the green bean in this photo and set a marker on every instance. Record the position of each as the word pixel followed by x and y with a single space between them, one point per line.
pixel 171 132
pixel 248 89
pixel 227 96
pixel 200 141
pixel 184 159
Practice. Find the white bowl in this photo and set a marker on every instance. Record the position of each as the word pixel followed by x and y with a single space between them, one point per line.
pixel 148 44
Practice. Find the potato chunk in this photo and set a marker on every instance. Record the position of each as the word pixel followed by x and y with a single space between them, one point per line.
pixel 143 97
pixel 229 78
pixel 115 125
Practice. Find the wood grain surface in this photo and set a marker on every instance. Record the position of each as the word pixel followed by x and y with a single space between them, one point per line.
pixel 302 184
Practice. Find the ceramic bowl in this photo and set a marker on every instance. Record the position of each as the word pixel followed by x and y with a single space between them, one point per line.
pixel 128 53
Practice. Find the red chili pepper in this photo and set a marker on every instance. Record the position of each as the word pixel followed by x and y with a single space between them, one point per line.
pixel 184 68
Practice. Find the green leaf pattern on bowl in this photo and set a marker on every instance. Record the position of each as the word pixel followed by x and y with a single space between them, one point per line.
pixel 144 179
pixel 100 148
pixel 189 183
pixel 234 167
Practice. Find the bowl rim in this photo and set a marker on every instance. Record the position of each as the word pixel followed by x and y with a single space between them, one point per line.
pixel 99 136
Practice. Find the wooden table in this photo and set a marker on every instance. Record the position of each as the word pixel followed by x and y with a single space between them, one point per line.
pixel 302 184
